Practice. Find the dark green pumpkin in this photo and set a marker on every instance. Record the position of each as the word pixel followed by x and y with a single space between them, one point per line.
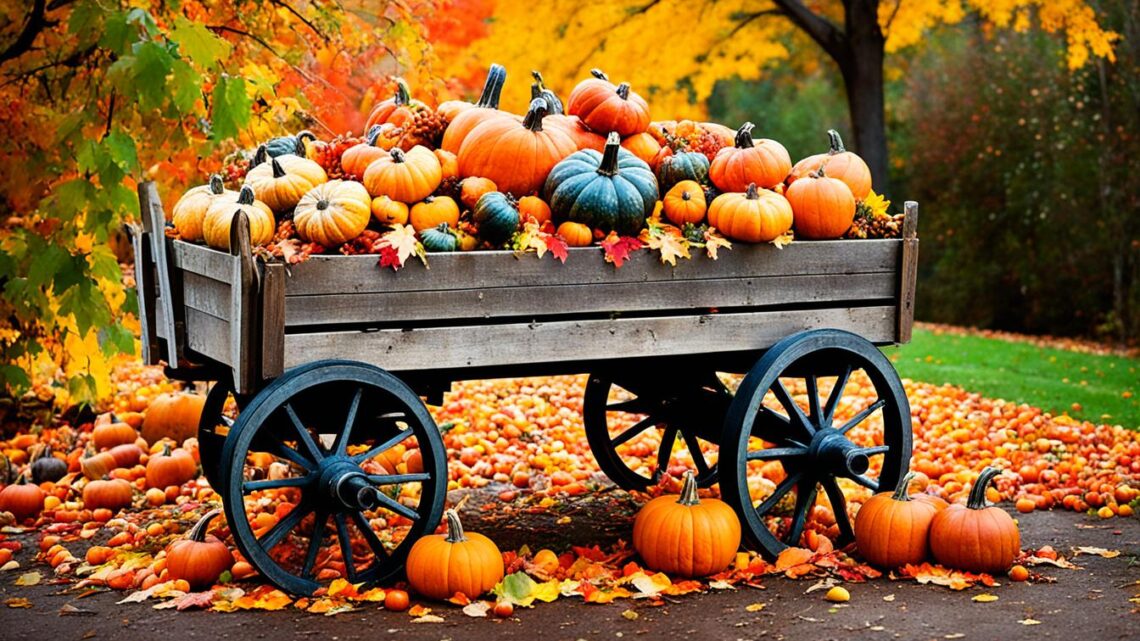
pixel 289 144
pixel 48 468
pixel 439 239
pixel 685 165
pixel 539 90
pixel 614 191
pixel 497 217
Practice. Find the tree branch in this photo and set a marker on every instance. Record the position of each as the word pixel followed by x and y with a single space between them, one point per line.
pixel 300 17
pixel 27 37
pixel 823 31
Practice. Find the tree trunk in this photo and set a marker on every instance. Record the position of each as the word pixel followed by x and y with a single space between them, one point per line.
pixel 863 80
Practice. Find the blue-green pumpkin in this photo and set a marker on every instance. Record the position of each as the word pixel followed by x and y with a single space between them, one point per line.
pixel 497 217
pixel 610 191
pixel 289 144
pixel 439 239
pixel 685 165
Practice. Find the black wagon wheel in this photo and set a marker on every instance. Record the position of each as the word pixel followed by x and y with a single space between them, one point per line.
pixel 214 425
pixel 357 473
pixel 766 424
pixel 633 422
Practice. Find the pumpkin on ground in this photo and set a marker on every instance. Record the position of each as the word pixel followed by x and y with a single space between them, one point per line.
pixel 281 182
pixel 333 213
pixel 892 530
pixel 686 536
pixel 575 234
pixel 398 110
pixel 112 494
pixel 764 162
pixel 485 110
pixel 433 211
pixel 389 212
pixel 173 415
pixel 48 467
pixel 24 500
pixel 685 203
pixel 604 107
pixel 614 191
pixel 408 177
pixel 496 76
pixel 672 168
pixel 441 565
pixel 199 558
pixel 516 156
pixel 220 218
pixel 170 467
pixel 96 466
pixel 190 210
pixel 974 537
pixel 497 217
pixel 439 239
pixel 756 216
pixel 839 163
pixel 109 431
pixel 824 207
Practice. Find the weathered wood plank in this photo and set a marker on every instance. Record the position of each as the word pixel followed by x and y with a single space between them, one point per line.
pixel 272 321
pixel 520 343
pixel 551 300
pixel 908 272
pixel 245 341
pixel 471 270
pixel 154 222
pixel 208 335
pixel 147 296
pixel 202 260
pixel 207 295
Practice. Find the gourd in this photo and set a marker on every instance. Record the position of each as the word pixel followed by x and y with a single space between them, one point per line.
pixel 472 189
pixel 220 217
pixel 408 177
pixel 685 165
pixel 295 144
pixel 686 536
pixel 439 566
pixel 497 217
pixel 614 191
pixel 840 163
pixel 604 107
pixel 439 239
pixel 170 467
pixel 764 162
pixel 642 145
pixel 974 537
pixel 199 558
pixel 333 213
pixel 433 211
pixel 190 210
pixel 824 207
pixel 516 156
pixel 46 467
pixel 389 212
pixel 281 182
pixel 892 530
pixel 173 415
pixel 756 216
pixel 685 203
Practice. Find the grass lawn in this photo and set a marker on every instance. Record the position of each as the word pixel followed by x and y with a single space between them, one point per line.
pixel 1103 389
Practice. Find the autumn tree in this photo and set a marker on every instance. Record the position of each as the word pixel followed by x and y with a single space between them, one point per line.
pixel 100 94
pixel 675 51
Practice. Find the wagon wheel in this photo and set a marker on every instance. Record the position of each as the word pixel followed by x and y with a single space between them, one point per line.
pixel 213 426
pixel 766 425
pixel 633 422
pixel 357 472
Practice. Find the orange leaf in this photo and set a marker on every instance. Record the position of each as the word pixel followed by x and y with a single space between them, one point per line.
pixel 792 557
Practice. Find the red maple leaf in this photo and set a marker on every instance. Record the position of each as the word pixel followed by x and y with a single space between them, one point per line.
pixel 389 257
pixel 618 248
pixel 557 247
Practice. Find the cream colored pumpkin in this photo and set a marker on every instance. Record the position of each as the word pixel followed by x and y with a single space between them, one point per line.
pixel 282 181
pixel 333 213
pixel 190 210
pixel 220 217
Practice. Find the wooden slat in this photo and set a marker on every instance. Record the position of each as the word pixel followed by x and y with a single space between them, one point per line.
pixel 202 260
pixel 908 272
pixel 272 320
pixel 521 343
pixel 207 295
pixel 154 222
pixel 146 294
pixel 550 300
pixel 472 270
pixel 245 341
pixel 208 335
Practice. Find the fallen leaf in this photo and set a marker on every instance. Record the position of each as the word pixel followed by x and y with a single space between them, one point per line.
pixel 18 602
pixel 825 584
pixel 418 610
pixel 1057 562
pixel 29 578
pixel 1029 622
pixel 889 598
pixel 630 614
pixel 477 609
pixel 618 248
pixel 783 241
pixel 650 585
pixel 985 598
pixel 1101 552
pixel 721 585
pixel 755 607
pixel 71 610
pixel 956 635
pixel 792 557
pixel 429 618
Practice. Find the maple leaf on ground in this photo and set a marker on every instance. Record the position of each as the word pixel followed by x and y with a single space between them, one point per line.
pixel 618 248
pixel 398 245
pixel 539 239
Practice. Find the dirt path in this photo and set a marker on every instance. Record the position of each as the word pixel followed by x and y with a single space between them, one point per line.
pixel 1086 604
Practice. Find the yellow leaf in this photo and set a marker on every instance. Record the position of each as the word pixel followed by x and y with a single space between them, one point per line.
pixel 1102 552
pixel 1029 622
pixel 785 240
pixel 630 614
pixel 985 598
pixel 650 585
pixel 755 607
pixel 29 578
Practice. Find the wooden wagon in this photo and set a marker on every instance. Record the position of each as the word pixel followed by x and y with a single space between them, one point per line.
pixel 331 360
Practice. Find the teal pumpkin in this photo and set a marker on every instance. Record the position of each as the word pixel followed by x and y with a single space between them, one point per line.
pixel 686 165
pixel 439 239
pixel 611 191
pixel 497 217
pixel 289 144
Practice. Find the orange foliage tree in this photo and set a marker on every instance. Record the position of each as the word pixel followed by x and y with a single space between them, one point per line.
pixel 100 94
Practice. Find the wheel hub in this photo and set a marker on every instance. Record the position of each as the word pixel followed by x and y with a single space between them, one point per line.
pixel 345 483
pixel 836 453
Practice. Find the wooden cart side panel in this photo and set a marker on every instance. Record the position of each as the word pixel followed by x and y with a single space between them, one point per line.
pixel 208 335
pixel 550 300
pixel 245 335
pixel 566 341
pixel 908 272
pixel 154 224
pixel 145 294
pixel 272 323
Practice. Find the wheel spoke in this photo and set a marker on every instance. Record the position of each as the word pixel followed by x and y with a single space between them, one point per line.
pixel 777 453
pixel 374 541
pixel 839 507
pixel 281 450
pixel 791 407
pixel 342 439
pixel 804 501
pixel 695 452
pixel 250 487
pixel 393 479
pixel 638 428
pixel 813 401
pixel 666 451
pixel 865 481
pixel 782 489
pixel 386 445
pixel 858 418
pixel 345 546
pixel 633 406
pixel 320 519
pixel 874 451
pixel 393 505
pixel 304 436
pixel 284 526
pixel 836 394
pixel 772 426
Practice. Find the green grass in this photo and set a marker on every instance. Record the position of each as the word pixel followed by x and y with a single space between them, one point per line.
pixel 1052 379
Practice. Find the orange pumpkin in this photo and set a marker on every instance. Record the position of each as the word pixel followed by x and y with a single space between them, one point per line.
pixel 190 210
pixel 535 208
pixel 575 234
pixel 113 433
pixel 408 177
pixel 98 465
pixel 24 500
pixel 333 213
pixel 891 530
pixel 605 108
pixel 824 207
pixel 433 211
pixel 486 110
pixel 493 85
pixel 113 494
pixel 170 467
pixel 356 158
pixel 516 156
pixel 472 189
pixel 173 416
pixel 439 566
pixel 756 216
pixel 686 536
pixel 642 145
pixel 199 558
pixel 448 163
pixel 388 211
pixel 840 163
pixel 282 181
pixel 685 203
pixel 574 127
pixel 764 162
pixel 398 110
pixel 974 537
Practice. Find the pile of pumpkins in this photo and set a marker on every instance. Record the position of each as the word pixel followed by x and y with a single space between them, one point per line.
pixel 593 165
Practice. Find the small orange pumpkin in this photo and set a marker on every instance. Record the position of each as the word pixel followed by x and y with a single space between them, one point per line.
pixel 685 203
pixel 22 499
pixel 472 189
pixel 220 218
pixel 686 536
pixel 408 177
pixel 170 467
pixel 840 163
pixel 575 234
pixel 433 211
pixel 398 110
pixel 824 207
pixel 892 530
pixel 112 494
pixel 764 162
pixel 756 216
pixel 173 416
pixel 333 213
pixel 199 558
pixel 356 158
pixel 440 565
pixel 605 108
pixel 642 145
pixel 388 211
pixel 113 433
pixel 190 210
pixel 974 537
pixel 282 181
pixel 534 207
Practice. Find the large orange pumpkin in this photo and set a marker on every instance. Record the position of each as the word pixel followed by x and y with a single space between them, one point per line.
pixel 492 87
pixel 686 536
pixel 483 111
pixel 824 207
pixel 764 162
pixel 439 566
pixel 170 467
pixel 173 416
pixel 516 156
pixel 840 163
pixel 408 177
pixel 200 558
pixel 22 499
pixel 574 127
pixel 974 537
pixel 892 530
pixel 642 145
pixel 604 107
pixel 756 216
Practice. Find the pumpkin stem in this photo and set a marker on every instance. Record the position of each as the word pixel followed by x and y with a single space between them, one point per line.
pixel 752 193
pixel 245 196
pixel 403 96
pixel 609 166
pixel 398 155
pixel 902 492
pixel 165 448
pixel 322 204
pixel 744 136
pixel 835 141
pixel 22 479
pixel 372 136
pixel 259 156
pixel 623 91
pixel 217 187
pixel 302 151
pixel 198 532
pixel 454 527
pixel 688 490
pixel 534 115
pixel 818 173
pixel 599 74
pixel 685 195
pixel 492 87
pixel 977 499
pixel 278 170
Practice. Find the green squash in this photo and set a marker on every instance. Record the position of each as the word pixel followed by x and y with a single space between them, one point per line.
pixel 497 217
pixel 289 144
pixel 614 191
pixel 439 239
pixel 685 165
